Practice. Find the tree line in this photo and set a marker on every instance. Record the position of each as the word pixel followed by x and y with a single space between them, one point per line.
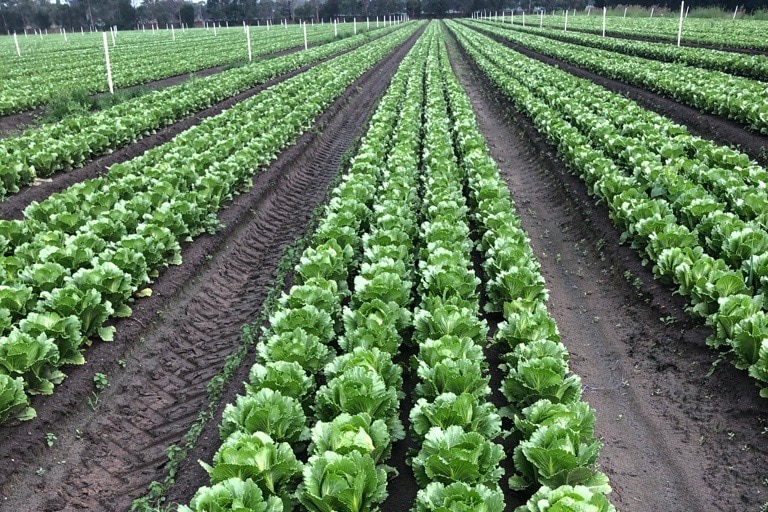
pixel 18 15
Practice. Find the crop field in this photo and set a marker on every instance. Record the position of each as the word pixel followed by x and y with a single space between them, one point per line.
pixel 459 265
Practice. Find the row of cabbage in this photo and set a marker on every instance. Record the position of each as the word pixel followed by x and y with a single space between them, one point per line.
pixel 39 54
pixel 418 233
pixel 72 142
pixel 556 448
pixel 137 60
pixel 364 232
pixel 458 461
pixel 741 64
pixel 723 33
pixel 741 99
pixel 80 257
pixel 678 198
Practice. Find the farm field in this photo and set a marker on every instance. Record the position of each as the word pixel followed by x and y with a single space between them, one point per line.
pixel 428 266
pixel 44 67
pixel 743 35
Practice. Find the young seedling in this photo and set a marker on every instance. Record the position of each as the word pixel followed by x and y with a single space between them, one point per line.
pixel 100 381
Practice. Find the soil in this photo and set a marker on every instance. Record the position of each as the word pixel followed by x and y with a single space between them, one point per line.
pixel 673 437
pixel 707 126
pixel 107 451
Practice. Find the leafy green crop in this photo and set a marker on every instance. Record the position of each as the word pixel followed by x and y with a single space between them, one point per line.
pixel 359 404
pixel 554 430
pixel 693 208
pixel 256 457
pixel 452 455
pixel 87 250
pixel 458 497
pixel 232 495
pixel 268 411
pixel 342 483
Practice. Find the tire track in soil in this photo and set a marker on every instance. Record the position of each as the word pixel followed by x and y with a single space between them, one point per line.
pixel 718 129
pixel 664 424
pixel 178 339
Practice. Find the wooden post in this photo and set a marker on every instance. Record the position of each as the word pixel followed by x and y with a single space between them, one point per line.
pixel 367 23
pixel 523 18
pixel 16 40
pixel 305 35
pixel 354 25
pixel 109 66
pixel 680 25
pixel 735 11
pixel 541 18
pixel 565 27
pixel 603 21
pixel 248 40
pixel 65 35
pixel 173 32
pixel 652 8
pixel 625 12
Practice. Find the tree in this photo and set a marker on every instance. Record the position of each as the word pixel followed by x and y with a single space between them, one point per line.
pixel 187 14
pixel 435 8
pixel 124 15
pixel 265 9
pixel 330 9
pixel 42 19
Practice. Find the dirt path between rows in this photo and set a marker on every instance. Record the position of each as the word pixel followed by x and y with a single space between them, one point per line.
pixel 707 126
pixel 674 439
pixel 176 341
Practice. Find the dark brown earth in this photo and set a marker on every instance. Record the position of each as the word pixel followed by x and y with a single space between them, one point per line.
pixel 674 438
pixel 107 453
pixel 707 126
